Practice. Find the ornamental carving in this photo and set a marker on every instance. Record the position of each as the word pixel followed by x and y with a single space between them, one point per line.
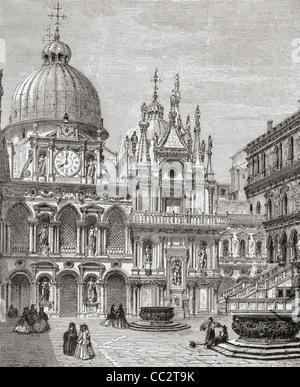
pixel 156 314
pixel 262 328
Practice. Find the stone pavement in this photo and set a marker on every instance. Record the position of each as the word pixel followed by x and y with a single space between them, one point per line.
pixel 120 348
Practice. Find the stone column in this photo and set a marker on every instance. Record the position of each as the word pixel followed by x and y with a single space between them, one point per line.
pixel 35 237
pixel 80 298
pixel 34 159
pixel 104 241
pixel 161 255
pixel 78 245
pixel 51 161
pixel 98 169
pixel 98 248
pixel 134 309
pixel 8 239
pixel 83 177
pixel 51 238
pixel 8 294
pixel 83 242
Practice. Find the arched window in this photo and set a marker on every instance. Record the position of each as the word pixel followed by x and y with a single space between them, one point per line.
pixel 68 231
pixel 291 149
pixel 280 156
pixel 269 207
pixel 251 209
pixel 270 250
pixel 242 248
pixel 19 229
pixel 225 248
pixel 295 243
pixel 276 151
pixel 258 249
pixel 258 208
pixel 283 243
pixel 23 133
pixel 285 205
pixel 116 232
pixel 263 163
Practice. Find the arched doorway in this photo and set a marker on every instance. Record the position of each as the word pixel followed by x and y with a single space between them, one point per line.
pixel 20 292
pixel 116 291
pixel 68 295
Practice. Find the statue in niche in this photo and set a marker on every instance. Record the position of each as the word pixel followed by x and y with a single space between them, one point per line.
pixel 177 273
pixel 91 168
pixel 91 290
pixel 42 165
pixel 92 241
pixel 202 259
pixel 134 141
pixel 148 257
pixel 44 236
pixel 45 290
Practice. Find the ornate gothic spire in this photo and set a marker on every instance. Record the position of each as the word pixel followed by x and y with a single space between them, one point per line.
pixel 143 155
pixel 197 154
pixel 209 169
pixel 189 139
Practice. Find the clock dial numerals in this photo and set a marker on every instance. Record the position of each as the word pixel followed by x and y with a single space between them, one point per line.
pixel 67 163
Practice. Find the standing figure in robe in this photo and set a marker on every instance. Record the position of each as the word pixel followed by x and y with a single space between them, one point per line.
pixel 111 318
pixel 84 350
pixel 121 318
pixel 91 290
pixel 24 323
pixel 41 324
pixel 210 336
pixel 70 340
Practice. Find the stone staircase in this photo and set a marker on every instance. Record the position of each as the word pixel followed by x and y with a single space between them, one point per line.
pixel 259 288
pixel 237 349
pixel 173 327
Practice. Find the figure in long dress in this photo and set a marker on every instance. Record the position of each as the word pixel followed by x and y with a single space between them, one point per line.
pixel 41 324
pixel 121 318
pixel 204 260
pixel 111 318
pixel 45 290
pixel 23 325
pixel 91 290
pixel 32 315
pixel 43 234
pixel 84 350
pixel 70 340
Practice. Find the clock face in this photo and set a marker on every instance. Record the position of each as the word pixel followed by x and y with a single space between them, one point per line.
pixel 67 163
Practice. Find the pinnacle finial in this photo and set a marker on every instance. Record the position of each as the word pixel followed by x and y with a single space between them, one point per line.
pixel 143 112
pixel 197 116
pixel 57 16
pixel 156 80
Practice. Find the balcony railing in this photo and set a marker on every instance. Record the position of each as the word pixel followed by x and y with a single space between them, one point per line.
pixel 260 305
pixel 115 250
pixel 68 250
pixel 180 219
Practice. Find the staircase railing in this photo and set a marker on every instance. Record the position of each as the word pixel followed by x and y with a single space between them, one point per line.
pixel 270 277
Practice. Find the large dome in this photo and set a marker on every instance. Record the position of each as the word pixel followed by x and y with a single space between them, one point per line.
pixel 54 89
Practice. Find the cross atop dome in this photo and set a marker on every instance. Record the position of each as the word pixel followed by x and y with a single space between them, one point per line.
pixel 156 80
pixel 57 16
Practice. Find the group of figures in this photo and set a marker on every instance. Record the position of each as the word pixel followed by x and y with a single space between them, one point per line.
pixel 116 318
pixel 210 338
pixel 76 345
pixel 32 321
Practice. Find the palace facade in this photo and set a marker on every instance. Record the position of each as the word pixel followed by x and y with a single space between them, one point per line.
pixel 83 227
